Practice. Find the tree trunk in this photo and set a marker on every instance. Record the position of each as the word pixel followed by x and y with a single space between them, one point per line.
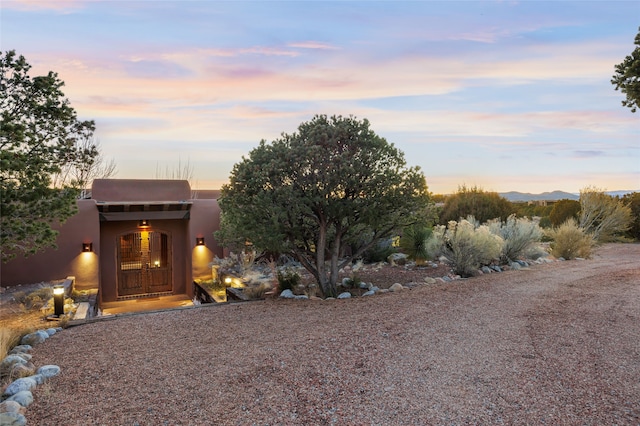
pixel 321 244
pixel 334 270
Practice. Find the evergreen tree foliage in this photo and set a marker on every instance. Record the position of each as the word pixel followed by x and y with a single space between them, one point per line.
pixel 563 210
pixel 316 191
pixel 39 131
pixel 627 77
pixel 480 204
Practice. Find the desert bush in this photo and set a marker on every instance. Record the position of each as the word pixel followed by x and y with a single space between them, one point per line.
pixel 474 201
pixel 563 210
pixel 570 241
pixel 602 215
pixel 518 234
pixel 34 300
pixel 9 337
pixel 467 246
pixel 379 252
pixel 288 279
pixel 415 243
pixel 353 281
pixel 632 201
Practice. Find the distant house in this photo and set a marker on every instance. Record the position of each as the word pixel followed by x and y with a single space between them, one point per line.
pixel 133 239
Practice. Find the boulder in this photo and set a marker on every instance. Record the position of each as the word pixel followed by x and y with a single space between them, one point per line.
pixel 12 419
pixel 9 362
pixel 345 295
pixel 397 259
pixel 396 287
pixel 34 338
pixel 51 331
pixel 22 370
pixel 369 293
pixel 24 398
pixel 486 270
pixel 48 371
pixel 429 280
pixel 287 294
pixel 515 266
pixel 301 297
pixel 20 349
pixel 11 407
pixel 19 385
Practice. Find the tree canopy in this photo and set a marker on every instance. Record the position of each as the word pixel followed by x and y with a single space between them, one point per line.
pixel 627 77
pixel 39 132
pixel 312 193
pixel 476 202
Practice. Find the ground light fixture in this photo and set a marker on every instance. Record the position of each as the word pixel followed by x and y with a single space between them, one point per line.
pixel 87 247
pixel 58 301
pixel 200 241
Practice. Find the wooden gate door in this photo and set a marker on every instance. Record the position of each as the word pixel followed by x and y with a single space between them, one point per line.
pixel 144 262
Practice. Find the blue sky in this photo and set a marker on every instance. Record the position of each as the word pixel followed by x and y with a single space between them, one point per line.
pixel 504 95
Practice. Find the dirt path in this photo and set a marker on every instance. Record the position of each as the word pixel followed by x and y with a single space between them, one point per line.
pixel 556 344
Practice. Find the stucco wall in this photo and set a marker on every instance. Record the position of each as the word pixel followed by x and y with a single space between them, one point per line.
pixel 68 259
pixel 205 220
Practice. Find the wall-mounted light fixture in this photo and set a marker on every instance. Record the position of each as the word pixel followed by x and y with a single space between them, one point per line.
pixel 199 241
pixel 87 247
pixel 144 223
pixel 58 300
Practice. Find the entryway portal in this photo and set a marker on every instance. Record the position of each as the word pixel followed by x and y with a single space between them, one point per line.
pixel 144 264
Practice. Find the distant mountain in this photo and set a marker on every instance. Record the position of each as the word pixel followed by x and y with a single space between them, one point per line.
pixel 515 196
pixel 548 196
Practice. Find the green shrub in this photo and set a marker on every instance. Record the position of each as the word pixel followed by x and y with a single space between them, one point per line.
pixel 288 278
pixel 415 243
pixel 519 234
pixel 570 241
pixel 467 246
pixel 353 281
pixel 483 205
pixel 563 210
pixel 379 252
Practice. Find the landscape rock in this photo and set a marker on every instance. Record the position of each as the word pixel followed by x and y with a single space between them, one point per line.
pixel 39 378
pixel 22 370
pixel 496 268
pixel 9 362
pixel 20 349
pixel 515 266
pixel 345 295
pixel 12 419
pixel 396 287
pixel 368 293
pixel 24 398
pixel 19 385
pixel 51 331
pixel 429 280
pixel 301 297
pixel 486 270
pixel 11 407
pixel 397 259
pixel 287 294
pixel 34 338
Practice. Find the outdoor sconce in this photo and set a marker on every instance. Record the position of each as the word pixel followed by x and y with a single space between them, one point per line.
pixel 144 223
pixel 87 247
pixel 200 241
pixel 58 301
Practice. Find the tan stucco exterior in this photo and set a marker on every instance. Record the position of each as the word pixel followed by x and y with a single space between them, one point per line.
pixel 116 208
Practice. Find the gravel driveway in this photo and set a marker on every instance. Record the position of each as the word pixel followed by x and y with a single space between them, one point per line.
pixel 557 344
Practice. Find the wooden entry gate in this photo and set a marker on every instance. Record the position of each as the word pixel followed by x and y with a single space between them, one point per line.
pixel 144 264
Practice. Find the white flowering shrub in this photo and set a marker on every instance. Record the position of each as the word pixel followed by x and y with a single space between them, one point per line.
pixel 519 235
pixel 468 246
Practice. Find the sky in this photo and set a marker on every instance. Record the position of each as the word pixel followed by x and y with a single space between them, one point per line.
pixel 506 95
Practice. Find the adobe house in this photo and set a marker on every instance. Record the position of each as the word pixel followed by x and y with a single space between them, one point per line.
pixel 133 239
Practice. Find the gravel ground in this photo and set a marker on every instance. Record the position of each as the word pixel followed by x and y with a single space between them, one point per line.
pixel 556 344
